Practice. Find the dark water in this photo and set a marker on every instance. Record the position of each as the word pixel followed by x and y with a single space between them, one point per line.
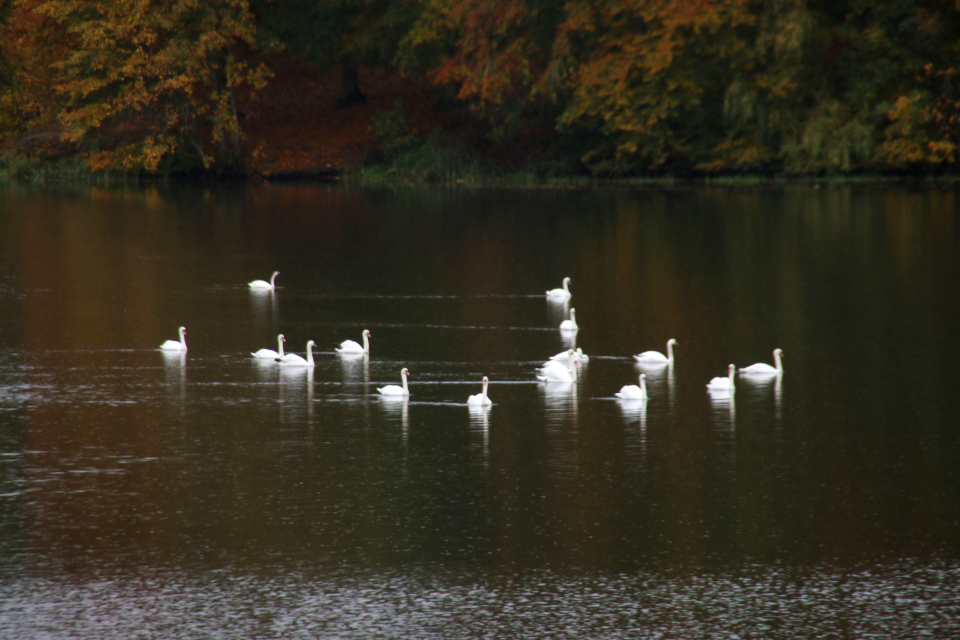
pixel 212 496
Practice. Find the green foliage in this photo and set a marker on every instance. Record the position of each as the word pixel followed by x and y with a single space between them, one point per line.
pixel 429 161
pixel 394 131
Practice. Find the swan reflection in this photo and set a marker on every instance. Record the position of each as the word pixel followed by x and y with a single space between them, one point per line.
pixel 635 412
pixel 480 419
pixel 397 407
pixel 264 306
pixel 560 400
pixel 355 367
pixel 296 383
pixel 175 371
pixel 724 408
pixel 633 409
pixel 660 376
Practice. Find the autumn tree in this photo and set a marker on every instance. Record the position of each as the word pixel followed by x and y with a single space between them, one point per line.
pixel 922 127
pixel 152 85
pixel 30 46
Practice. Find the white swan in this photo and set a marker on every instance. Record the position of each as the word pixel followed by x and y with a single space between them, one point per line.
pixel 723 385
pixel 294 360
pixel 261 284
pixel 570 354
pixel 632 391
pixel 571 323
pixel 561 294
pixel 173 345
pixel 762 368
pixel 349 346
pixel 480 399
pixel 394 390
pixel 270 353
pixel 556 371
pixel 655 357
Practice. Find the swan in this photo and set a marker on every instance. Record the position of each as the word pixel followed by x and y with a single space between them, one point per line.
pixel 270 353
pixel 556 371
pixel 561 294
pixel 173 345
pixel 655 357
pixel 394 390
pixel 632 391
pixel 293 360
pixel 261 284
pixel 570 354
pixel 480 399
pixel 723 385
pixel 349 346
pixel 571 324
pixel 762 368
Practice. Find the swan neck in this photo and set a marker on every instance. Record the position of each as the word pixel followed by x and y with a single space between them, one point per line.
pixel 366 343
pixel 183 337
pixel 309 353
pixel 403 376
pixel 776 361
pixel 273 278
pixel 280 345
pixel 669 351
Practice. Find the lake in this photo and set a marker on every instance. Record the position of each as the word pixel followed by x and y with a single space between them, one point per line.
pixel 214 495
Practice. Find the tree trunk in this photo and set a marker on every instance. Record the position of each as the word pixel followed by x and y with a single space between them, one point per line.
pixel 350 93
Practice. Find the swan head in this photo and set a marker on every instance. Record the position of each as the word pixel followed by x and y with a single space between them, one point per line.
pixel 573 313
pixel 566 282
pixel 310 344
pixel 731 370
pixel 672 341
pixel 366 333
pixel 778 352
pixel 183 331
pixel 404 372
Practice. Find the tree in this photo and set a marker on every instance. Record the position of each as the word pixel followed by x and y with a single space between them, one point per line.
pixel 151 84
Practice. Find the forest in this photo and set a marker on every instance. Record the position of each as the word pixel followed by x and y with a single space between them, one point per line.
pixel 573 87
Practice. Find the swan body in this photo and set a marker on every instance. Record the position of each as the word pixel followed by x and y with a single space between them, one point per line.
pixel 394 390
pixel 571 323
pixel 632 391
pixel 270 354
pixel 762 368
pixel 173 345
pixel 349 346
pixel 556 371
pixel 262 284
pixel 481 399
pixel 294 360
pixel 561 294
pixel 655 357
pixel 724 384
pixel 570 354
